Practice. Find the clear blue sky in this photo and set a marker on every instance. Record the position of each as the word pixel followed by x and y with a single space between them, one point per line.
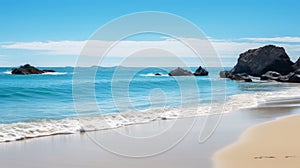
pixel 58 20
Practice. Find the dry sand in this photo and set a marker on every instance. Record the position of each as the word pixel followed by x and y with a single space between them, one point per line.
pixel 274 144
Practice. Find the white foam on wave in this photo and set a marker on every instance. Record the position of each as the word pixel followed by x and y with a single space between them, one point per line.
pixel 23 130
pixel 54 73
pixel 47 73
pixel 152 74
pixel 7 72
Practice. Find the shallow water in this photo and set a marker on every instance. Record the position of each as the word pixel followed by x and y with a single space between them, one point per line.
pixel 39 105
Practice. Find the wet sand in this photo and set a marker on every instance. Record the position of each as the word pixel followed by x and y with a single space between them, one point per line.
pixel 154 144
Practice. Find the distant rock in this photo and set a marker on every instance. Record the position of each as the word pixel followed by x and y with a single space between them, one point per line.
pixel 158 74
pixel 257 62
pixel 180 72
pixel 201 72
pixel 28 69
pixel 45 71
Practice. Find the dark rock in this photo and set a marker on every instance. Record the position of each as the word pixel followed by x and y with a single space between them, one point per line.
pixel 164 118
pixel 28 69
pixel 224 74
pixel 44 71
pixel 296 65
pixel 297 72
pixel 268 63
pixel 257 62
pixel 270 75
pixel 201 72
pixel 295 78
pixel 158 74
pixel 180 72
pixel 284 78
pixel 240 77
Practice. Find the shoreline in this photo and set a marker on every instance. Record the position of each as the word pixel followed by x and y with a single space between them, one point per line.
pixel 236 102
pixel 78 149
pixel 268 145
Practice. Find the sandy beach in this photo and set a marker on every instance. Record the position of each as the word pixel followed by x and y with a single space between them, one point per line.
pixel 274 144
pixel 78 150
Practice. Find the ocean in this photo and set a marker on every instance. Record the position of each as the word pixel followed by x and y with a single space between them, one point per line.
pixel 43 105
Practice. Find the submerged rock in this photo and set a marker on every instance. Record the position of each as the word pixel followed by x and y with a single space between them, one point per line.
pixel 240 77
pixel 224 74
pixel 201 72
pixel 28 69
pixel 180 72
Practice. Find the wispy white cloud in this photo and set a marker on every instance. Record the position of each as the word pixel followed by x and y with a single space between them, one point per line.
pixel 224 48
pixel 286 39
pixel 50 47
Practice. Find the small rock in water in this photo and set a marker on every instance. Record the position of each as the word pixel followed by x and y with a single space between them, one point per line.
pixel 28 69
pixel 180 72
pixel 201 72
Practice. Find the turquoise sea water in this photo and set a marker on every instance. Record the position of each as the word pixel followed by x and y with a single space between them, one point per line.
pixel 31 103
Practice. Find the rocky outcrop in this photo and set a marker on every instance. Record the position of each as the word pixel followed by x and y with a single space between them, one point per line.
pixel 28 69
pixel 158 74
pixel 269 63
pixel 201 72
pixel 180 72
pixel 257 62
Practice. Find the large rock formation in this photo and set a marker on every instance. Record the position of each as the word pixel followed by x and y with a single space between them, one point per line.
pixel 201 72
pixel 257 62
pixel 268 63
pixel 28 69
pixel 180 72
